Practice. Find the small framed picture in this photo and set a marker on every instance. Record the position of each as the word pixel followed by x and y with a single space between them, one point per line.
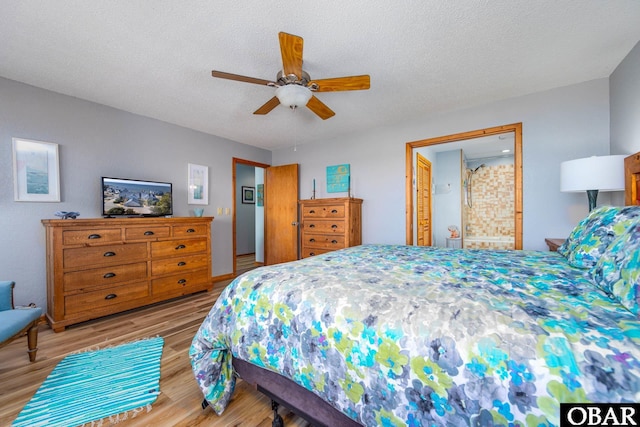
pixel 248 195
pixel 36 171
pixel 198 185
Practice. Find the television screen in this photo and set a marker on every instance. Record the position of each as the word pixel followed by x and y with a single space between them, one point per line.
pixel 135 197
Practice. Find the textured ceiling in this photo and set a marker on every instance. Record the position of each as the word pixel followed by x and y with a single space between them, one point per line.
pixel 154 57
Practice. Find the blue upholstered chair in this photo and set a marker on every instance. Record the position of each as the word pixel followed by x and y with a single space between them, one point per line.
pixel 16 322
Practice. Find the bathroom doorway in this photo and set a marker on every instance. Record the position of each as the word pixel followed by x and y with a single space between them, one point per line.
pixel 451 184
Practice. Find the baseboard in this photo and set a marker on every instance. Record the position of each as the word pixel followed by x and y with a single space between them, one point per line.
pixel 222 277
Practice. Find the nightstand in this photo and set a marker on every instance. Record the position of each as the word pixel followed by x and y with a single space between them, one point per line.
pixel 554 243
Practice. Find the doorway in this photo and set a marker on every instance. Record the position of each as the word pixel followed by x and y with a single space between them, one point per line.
pixel 453 142
pixel 423 200
pixel 248 217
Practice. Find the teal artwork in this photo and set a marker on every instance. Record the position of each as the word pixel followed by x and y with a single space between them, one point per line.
pixel 338 178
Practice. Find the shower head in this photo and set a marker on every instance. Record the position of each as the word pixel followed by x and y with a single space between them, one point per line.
pixel 476 169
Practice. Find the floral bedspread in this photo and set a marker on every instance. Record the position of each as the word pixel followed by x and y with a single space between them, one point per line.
pixel 420 336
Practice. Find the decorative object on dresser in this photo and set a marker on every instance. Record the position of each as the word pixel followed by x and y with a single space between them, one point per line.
pixel 329 224
pixel 97 267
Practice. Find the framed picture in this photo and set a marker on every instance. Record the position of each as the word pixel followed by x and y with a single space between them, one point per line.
pixel 338 178
pixel 36 171
pixel 248 195
pixel 198 185
pixel 260 195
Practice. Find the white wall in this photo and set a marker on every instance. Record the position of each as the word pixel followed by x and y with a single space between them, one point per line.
pixel 624 85
pixel 94 141
pixel 558 125
pixel 447 205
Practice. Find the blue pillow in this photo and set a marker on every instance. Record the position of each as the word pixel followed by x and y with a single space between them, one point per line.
pixel 583 228
pixel 609 223
pixel 617 272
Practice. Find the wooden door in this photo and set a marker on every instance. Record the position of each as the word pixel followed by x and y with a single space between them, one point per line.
pixel 281 214
pixel 423 200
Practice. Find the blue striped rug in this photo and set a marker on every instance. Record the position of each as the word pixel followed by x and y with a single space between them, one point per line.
pixel 116 382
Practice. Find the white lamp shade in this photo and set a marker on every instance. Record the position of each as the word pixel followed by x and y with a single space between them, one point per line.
pixel 293 95
pixel 602 173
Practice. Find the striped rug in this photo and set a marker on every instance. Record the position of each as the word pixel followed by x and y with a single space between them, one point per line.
pixel 112 384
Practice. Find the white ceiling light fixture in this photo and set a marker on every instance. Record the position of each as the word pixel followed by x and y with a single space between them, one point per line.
pixel 293 95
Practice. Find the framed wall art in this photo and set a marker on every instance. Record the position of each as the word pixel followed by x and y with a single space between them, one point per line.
pixel 248 195
pixel 260 195
pixel 198 185
pixel 338 178
pixel 36 171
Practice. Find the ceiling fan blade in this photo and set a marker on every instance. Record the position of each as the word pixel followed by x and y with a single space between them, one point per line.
pixel 291 50
pixel 319 108
pixel 342 83
pixel 268 106
pixel 237 77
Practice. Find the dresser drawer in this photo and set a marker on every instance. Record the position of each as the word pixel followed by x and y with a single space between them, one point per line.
pixel 328 211
pixel 107 254
pixel 86 279
pixel 179 263
pixel 324 226
pixel 146 233
pixel 178 247
pixel 91 236
pixel 180 284
pixel 90 301
pixel 323 241
pixel 194 230
pixel 307 252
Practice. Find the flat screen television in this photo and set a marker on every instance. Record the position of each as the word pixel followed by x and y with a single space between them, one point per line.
pixel 131 197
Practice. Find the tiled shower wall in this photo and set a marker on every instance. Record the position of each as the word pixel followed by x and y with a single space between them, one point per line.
pixel 492 211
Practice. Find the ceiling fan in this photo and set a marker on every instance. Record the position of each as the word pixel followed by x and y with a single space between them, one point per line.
pixel 294 86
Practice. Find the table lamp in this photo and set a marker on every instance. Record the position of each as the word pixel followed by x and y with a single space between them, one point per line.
pixel 593 174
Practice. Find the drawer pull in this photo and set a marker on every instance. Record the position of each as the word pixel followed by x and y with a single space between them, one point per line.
pixel 312 240
pixel 110 296
pixel 181 264
pixel 312 211
pixel 334 241
pixel 191 230
pixel 109 253
pixel 94 236
pixel 109 275
pixel 149 233
pixel 312 226
pixel 180 247
pixel 312 253
pixel 334 226
pixel 182 281
pixel 334 211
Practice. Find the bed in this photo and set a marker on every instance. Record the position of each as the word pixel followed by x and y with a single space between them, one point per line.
pixel 403 335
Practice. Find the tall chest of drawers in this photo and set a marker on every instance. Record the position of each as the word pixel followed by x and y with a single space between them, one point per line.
pixel 97 267
pixel 329 224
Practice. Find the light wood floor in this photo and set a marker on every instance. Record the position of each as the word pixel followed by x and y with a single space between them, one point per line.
pixel 179 402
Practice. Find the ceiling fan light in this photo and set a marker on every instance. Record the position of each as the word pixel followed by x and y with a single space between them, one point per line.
pixel 293 95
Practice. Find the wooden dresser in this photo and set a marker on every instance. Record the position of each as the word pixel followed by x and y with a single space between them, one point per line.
pixel 329 224
pixel 97 267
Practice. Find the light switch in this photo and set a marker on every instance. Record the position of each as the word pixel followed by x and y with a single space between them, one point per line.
pixel 219 211
pixel 227 211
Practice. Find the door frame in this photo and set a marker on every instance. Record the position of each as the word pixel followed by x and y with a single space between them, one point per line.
pixel 516 128
pixel 234 162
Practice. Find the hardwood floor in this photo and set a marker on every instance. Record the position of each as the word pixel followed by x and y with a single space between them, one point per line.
pixel 179 402
pixel 245 263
